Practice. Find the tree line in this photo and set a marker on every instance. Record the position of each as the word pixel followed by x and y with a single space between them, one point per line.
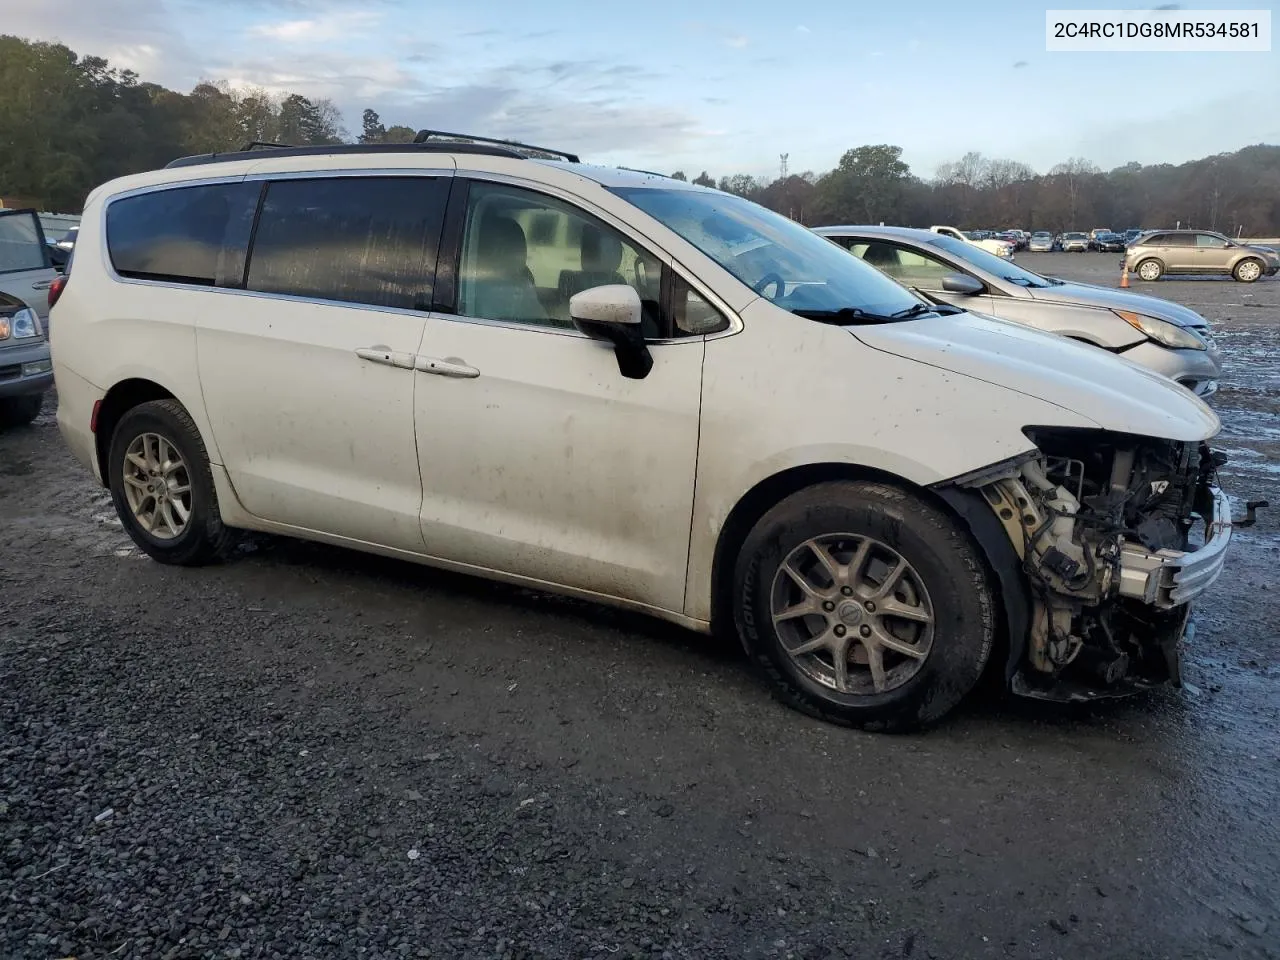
pixel 71 122
pixel 1235 193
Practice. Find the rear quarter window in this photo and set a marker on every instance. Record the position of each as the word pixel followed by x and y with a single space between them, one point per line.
pixel 196 234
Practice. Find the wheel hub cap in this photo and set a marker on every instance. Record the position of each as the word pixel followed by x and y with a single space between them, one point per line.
pixel 852 614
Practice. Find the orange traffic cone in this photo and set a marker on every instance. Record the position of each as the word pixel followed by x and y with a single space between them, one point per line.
pixel 1124 277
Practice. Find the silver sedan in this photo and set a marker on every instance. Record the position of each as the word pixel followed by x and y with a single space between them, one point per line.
pixel 1166 337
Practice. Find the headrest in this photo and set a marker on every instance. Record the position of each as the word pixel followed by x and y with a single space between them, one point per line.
pixel 601 252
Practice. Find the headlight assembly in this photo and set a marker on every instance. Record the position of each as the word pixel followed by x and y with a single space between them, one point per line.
pixel 24 324
pixel 1161 331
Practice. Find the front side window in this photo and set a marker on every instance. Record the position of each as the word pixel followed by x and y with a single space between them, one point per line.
pixel 368 240
pixel 910 267
pixel 524 255
pixel 797 269
pixel 195 235
pixel 1210 242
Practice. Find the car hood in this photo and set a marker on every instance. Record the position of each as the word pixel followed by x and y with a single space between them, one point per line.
pixel 1087 294
pixel 1114 393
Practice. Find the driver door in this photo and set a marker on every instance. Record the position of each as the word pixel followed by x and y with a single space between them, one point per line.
pixel 539 460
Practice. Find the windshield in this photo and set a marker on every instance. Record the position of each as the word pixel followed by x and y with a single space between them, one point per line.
pixel 1041 235
pixel 1005 269
pixel 1075 236
pixel 778 258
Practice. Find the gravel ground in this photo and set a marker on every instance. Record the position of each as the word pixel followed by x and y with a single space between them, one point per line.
pixel 310 752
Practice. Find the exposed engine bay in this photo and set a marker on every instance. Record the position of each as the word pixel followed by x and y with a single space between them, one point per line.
pixel 1116 534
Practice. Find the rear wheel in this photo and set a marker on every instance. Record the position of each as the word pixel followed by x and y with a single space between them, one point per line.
pixel 864 605
pixel 158 472
pixel 20 411
pixel 1150 270
pixel 1247 271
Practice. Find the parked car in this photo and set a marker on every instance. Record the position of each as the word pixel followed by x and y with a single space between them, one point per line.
pixel 1094 234
pixel 26 371
pixel 26 269
pixel 1041 242
pixel 1109 242
pixel 1001 248
pixel 1075 242
pixel 1131 234
pixel 568 376
pixel 1166 337
pixel 1199 252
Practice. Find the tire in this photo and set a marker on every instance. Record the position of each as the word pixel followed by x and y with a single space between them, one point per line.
pixel 1149 270
pixel 202 537
pixel 20 411
pixel 1248 271
pixel 945 579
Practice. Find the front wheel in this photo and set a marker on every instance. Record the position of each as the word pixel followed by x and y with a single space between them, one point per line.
pixel 864 605
pixel 1247 271
pixel 20 411
pixel 158 472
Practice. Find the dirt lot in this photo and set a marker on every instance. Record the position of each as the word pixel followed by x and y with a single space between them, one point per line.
pixel 312 753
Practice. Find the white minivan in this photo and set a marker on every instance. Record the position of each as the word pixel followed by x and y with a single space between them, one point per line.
pixel 614 385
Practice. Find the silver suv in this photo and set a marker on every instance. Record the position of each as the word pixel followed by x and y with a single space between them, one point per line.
pixel 1153 255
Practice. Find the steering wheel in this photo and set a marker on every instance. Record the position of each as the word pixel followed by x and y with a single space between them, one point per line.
pixel 767 281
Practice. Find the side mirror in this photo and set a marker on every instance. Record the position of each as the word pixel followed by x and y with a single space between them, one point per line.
pixel 613 313
pixel 962 284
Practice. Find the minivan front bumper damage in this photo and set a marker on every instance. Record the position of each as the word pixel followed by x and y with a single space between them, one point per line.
pixel 1100 543
pixel 1165 578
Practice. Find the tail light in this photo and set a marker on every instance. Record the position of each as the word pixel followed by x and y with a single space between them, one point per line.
pixel 56 287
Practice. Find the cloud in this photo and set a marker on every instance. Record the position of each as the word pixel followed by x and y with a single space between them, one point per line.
pixel 737 41
pixel 1020 64
pixel 803 29
pixel 1168 6
pixel 138 35
pixel 322 29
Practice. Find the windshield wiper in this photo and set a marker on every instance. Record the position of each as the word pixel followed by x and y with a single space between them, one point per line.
pixel 845 316
pixel 916 309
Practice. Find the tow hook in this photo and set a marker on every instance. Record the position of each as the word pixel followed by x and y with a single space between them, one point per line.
pixel 1251 508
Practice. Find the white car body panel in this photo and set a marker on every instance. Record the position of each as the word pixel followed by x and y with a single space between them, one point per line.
pixel 850 408
pixel 336 452
pixel 1109 392
pixel 550 465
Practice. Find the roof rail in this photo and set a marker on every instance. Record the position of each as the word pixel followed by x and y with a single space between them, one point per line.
pixel 425 136
pixel 269 144
pixel 651 173
pixel 283 150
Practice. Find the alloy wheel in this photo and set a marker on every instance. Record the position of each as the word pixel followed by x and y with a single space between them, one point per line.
pixel 852 614
pixel 157 486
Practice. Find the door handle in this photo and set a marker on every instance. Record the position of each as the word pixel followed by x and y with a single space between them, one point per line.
pixel 42 285
pixel 448 367
pixel 386 356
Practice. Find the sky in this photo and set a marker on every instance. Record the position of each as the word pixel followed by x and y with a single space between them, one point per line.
pixel 719 86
